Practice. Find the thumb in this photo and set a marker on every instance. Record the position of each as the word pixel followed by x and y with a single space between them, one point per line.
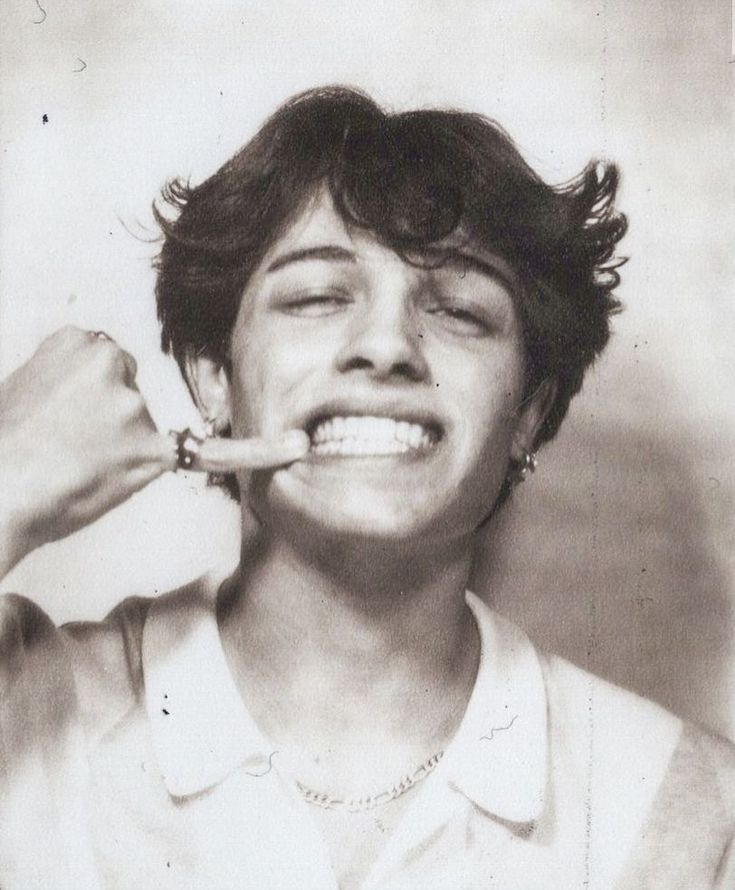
pixel 227 455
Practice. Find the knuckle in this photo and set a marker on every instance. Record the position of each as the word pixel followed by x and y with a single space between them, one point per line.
pixel 130 362
pixel 132 403
pixel 108 357
pixel 167 452
pixel 116 357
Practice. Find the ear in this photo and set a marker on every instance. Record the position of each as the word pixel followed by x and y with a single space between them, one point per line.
pixel 530 415
pixel 210 388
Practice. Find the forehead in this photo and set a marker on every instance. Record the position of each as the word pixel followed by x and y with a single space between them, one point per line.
pixel 317 222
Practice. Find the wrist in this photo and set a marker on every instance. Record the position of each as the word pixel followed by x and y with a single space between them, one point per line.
pixel 11 545
pixel 17 539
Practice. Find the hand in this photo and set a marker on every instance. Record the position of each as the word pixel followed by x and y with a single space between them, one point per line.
pixel 76 440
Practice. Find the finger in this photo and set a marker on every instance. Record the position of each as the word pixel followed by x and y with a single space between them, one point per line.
pixel 228 455
pixel 122 359
pixel 131 367
pixel 160 452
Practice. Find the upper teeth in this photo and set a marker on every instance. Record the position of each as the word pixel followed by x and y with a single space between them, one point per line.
pixel 369 435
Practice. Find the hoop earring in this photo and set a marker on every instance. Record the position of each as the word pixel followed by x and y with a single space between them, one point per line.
pixel 527 465
pixel 530 462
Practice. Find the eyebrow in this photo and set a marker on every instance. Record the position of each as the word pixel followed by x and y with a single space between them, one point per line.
pixel 329 252
pixel 458 259
pixel 449 257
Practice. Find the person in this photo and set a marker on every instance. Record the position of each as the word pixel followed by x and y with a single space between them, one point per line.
pixel 381 318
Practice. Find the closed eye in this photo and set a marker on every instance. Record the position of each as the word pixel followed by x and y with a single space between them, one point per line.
pixel 314 305
pixel 461 320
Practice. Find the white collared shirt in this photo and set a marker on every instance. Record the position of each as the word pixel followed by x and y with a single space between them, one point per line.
pixel 130 761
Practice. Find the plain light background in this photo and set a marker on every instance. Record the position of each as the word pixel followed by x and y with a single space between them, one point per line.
pixel 619 552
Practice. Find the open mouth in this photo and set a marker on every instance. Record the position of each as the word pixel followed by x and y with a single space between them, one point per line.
pixel 369 435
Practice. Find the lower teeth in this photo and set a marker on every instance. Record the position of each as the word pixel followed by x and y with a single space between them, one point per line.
pixel 360 447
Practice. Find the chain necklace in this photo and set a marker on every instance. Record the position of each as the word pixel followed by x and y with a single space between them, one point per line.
pixel 363 804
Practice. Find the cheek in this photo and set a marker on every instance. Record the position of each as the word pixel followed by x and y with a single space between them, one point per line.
pixel 268 375
pixel 490 393
pixel 483 477
pixel 488 420
pixel 249 380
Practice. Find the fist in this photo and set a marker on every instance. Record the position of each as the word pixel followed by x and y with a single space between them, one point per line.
pixel 76 438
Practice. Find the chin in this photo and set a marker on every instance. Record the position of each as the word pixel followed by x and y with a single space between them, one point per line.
pixel 352 512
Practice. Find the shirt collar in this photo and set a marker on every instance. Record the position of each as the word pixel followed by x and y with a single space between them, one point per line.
pixel 200 726
pixel 499 756
pixel 202 730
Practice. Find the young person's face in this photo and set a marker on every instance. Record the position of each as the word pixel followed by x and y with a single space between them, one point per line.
pixel 407 379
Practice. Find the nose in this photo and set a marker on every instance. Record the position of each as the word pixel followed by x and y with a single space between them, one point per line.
pixel 384 339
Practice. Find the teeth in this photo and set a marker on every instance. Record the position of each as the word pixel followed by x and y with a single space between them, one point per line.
pixel 362 447
pixel 369 436
pixel 403 431
pixel 415 435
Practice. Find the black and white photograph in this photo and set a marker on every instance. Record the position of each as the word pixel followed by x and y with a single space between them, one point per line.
pixel 367 490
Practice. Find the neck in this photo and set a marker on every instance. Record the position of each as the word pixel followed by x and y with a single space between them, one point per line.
pixel 356 646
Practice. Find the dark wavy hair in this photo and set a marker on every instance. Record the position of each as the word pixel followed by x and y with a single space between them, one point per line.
pixel 412 179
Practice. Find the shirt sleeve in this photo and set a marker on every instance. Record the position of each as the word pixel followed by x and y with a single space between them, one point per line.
pixel 42 761
pixel 60 690
pixel 37 694
pixel 689 839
